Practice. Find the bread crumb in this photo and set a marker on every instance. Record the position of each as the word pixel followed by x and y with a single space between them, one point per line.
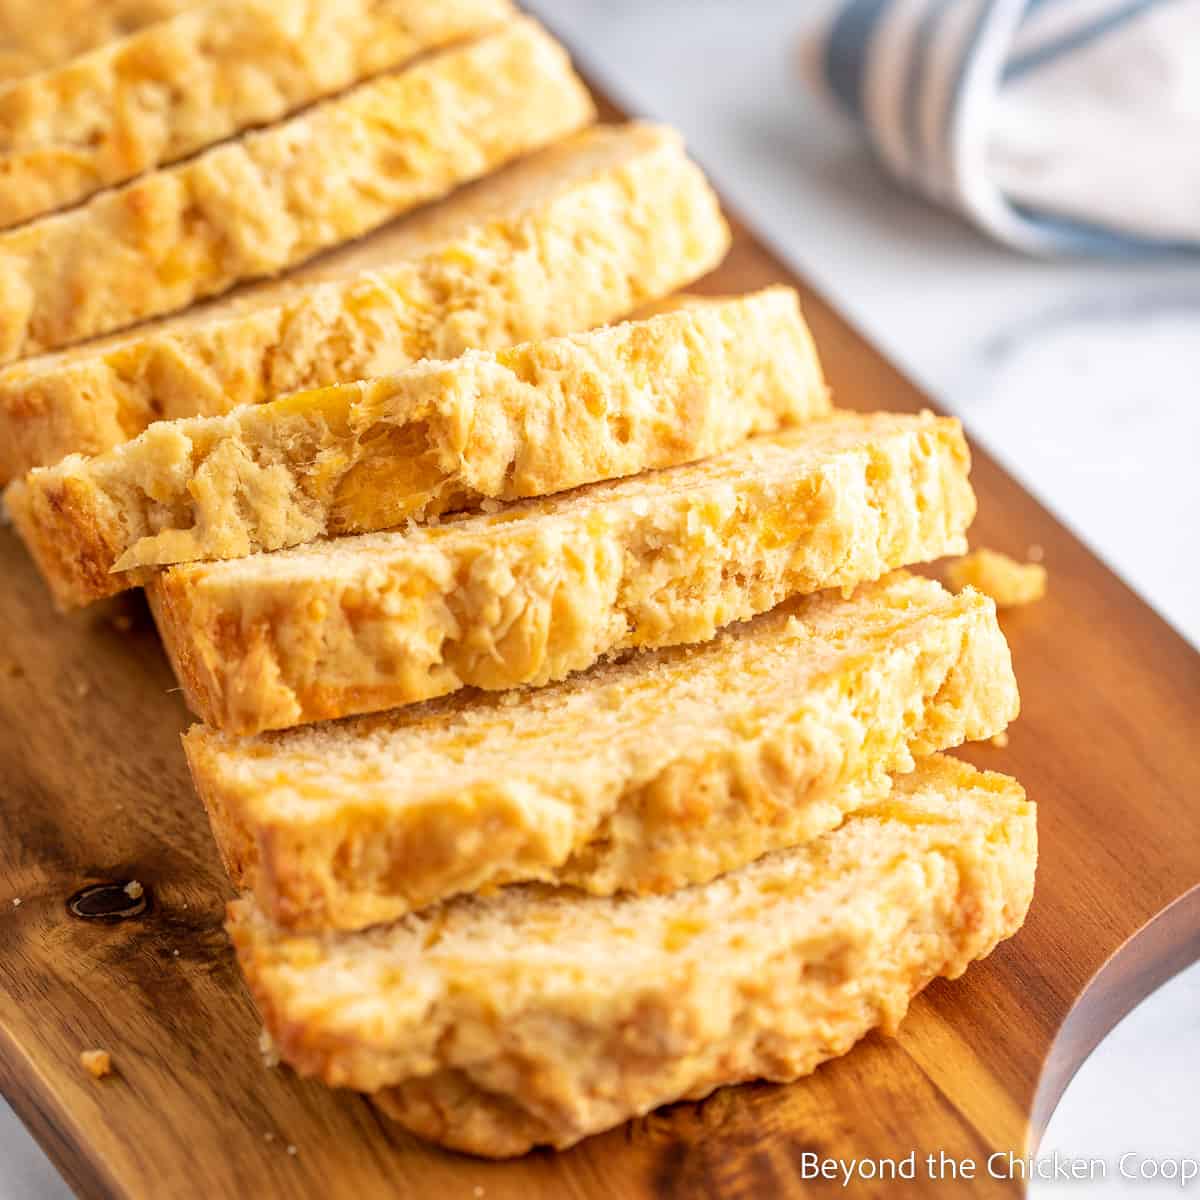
pixel 999 740
pixel 1035 553
pixel 1007 581
pixel 478 1191
pixel 268 1049
pixel 134 890
pixel 292 1150
pixel 82 688
pixel 16 902
pixel 97 1063
pixel 174 953
pixel 268 1136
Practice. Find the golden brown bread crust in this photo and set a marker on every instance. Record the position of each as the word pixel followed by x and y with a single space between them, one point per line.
pixel 647 775
pixel 437 437
pixel 276 197
pixel 176 86
pixel 547 587
pixel 539 1017
pixel 572 237
pixel 70 545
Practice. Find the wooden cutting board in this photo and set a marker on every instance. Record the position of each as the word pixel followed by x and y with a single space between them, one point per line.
pixel 94 790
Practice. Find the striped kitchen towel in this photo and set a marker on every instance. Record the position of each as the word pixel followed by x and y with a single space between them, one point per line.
pixel 1058 126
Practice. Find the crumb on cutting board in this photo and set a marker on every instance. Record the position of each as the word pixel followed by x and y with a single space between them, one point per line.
pixel 268 1049
pixel 97 1063
pixel 999 740
pixel 1007 581
pixel 133 889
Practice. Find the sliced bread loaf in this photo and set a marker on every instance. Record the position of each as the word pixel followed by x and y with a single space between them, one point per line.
pixel 179 85
pixel 545 587
pixel 539 1016
pixel 276 197
pixel 645 775
pixel 436 437
pixel 574 236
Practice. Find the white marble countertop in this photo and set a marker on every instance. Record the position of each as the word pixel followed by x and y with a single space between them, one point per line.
pixel 1080 377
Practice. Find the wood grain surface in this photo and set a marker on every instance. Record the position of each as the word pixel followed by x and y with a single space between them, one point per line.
pixel 93 789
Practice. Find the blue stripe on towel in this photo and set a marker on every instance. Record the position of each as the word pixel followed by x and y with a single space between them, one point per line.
pixel 1022 64
pixel 847 52
pixel 1078 237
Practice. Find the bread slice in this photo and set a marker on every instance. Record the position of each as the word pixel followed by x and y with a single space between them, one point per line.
pixel 436 437
pixel 276 197
pixel 36 35
pixel 179 85
pixel 574 236
pixel 546 587
pixel 539 1016
pixel 645 775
